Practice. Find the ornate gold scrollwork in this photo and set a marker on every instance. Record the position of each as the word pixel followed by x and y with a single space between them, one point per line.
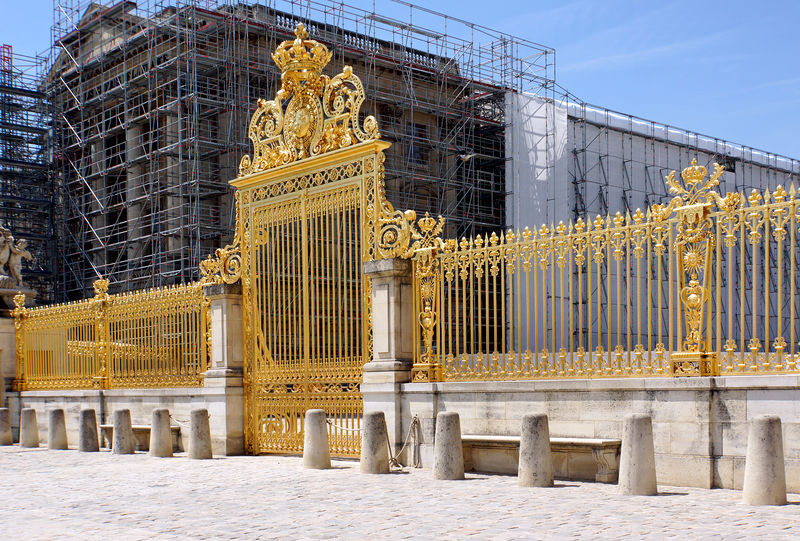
pixel 322 113
pixel 99 306
pixel 694 244
pixel 401 237
pixel 426 279
pixel 225 266
pixel 19 312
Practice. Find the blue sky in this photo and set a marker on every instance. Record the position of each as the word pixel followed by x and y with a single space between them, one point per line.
pixel 727 69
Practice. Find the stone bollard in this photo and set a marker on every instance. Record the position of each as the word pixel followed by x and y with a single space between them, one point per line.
pixel 374 443
pixel 5 427
pixel 535 459
pixel 160 434
pixel 124 440
pixel 316 450
pixel 28 429
pixel 200 435
pixel 56 430
pixel 87 432
pixel 764 471
pixel 448 454
pixel 637 468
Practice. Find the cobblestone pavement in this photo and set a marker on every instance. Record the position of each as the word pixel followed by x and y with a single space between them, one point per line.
pixel 71 495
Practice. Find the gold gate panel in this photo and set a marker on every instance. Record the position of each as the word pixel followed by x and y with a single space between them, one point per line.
pixel 309 211
pixel 308 313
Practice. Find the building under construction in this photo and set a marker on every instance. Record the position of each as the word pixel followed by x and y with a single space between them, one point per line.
pixel 567 159
pixel 152 99
pixel 27 195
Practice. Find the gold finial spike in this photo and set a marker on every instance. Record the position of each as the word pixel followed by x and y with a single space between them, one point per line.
pixel 301 31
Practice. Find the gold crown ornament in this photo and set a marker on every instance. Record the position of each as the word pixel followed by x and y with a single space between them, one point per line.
pixel 694 189
pixel 303 56
pixel 694 173
pixel 311 113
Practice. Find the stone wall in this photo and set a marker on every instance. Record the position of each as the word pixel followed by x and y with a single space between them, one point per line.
pixel 222 392
pixel 8 362
pixel 224 406
pixel 699 424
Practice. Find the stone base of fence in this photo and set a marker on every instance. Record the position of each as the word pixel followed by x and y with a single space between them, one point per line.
pixel 8 364
pixel 699 424
pixel 224 405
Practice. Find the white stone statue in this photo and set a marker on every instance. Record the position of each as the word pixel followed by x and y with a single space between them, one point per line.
pixel 11 255
pixel 18 253
pixel 12 252
pixel 5 246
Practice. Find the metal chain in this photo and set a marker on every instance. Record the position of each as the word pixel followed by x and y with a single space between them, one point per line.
pixel 393 458
pixel 182 422
pixel 393 461
pixel 342 427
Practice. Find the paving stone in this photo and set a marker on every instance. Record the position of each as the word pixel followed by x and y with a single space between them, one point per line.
pixel 105 496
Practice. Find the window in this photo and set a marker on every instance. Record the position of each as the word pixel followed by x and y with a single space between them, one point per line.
pixel 728 162
pixel 417 143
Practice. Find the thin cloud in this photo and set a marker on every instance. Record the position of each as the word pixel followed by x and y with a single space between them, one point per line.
pixel 777 83
pixel 573 13
pixel 639 56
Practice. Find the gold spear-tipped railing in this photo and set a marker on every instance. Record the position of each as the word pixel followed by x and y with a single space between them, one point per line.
pixel 151 338
pixel 702 285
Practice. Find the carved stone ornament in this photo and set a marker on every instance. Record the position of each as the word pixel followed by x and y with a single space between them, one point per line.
pixel 311 114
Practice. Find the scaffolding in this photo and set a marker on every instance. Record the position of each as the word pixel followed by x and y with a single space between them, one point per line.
pixel 27 195
pixel 619 161
pixel 152 101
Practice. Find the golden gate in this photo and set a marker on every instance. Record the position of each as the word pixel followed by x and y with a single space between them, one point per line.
pixel 307 205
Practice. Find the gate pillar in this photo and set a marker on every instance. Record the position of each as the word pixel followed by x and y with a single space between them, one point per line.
pixel 223 379
pixel 392 333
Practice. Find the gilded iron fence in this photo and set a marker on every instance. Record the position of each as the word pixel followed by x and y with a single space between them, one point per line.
pixel 704 285
pixel 151 338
